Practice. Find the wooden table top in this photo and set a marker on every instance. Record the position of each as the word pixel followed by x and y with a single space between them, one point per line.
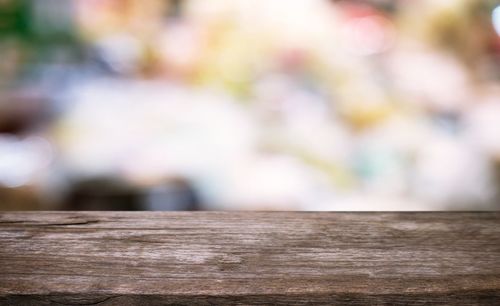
pixel 257 258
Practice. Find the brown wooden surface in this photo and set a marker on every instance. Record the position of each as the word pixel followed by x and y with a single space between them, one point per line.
pixel 214 258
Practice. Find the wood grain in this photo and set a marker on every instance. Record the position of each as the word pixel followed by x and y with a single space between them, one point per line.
pixel 249 258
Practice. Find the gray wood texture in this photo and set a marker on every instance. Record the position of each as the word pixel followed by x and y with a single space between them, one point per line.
pixel 249 258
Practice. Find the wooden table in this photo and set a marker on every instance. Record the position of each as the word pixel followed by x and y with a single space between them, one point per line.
pixel 263 258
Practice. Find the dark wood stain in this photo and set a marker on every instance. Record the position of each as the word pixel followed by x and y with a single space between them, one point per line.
pixel 249 258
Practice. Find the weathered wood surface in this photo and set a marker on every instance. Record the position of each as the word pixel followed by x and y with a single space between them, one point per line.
pixel 214 258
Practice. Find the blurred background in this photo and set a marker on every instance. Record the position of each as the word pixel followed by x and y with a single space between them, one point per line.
pixel 249 105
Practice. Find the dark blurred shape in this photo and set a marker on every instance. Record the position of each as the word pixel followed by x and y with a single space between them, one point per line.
pixel 173 195
pixel 174 8
pixel 20 113
pixel 14 18
pixel 102 194
pixel 107 193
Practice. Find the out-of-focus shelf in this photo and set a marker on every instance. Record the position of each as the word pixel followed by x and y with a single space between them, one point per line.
pixel 214 258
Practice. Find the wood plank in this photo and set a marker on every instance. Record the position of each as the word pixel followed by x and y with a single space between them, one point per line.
pixel 259 258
